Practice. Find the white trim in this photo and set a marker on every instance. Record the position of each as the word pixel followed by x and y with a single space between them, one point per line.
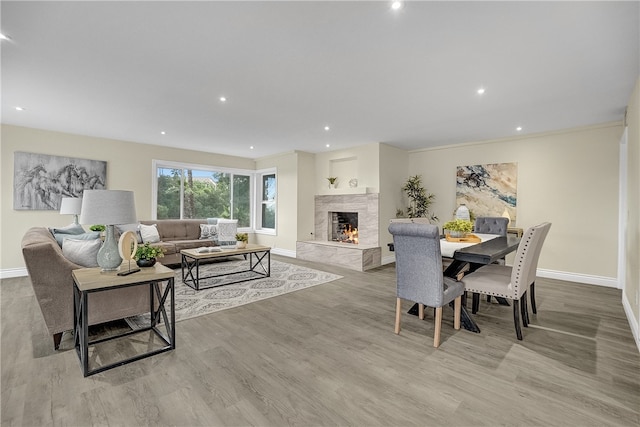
pixel 8 273
pixel 622 211
pixel 283 252
pixel 633 322
pixel 609 282
pixel 388 260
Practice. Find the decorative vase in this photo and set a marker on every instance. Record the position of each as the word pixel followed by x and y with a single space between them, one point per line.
pixel 146 262
pixel 240 244
pixel 353 183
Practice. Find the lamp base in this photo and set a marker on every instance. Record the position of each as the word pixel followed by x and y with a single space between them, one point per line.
pixel 109 258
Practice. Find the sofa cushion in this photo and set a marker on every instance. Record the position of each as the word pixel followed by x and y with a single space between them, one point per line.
pixel 169 248
pixel 82 252
pixel 120 229
pixel 149 233
pixel 92 235
pixel 190 244
pixel 208 231
pixel 59 233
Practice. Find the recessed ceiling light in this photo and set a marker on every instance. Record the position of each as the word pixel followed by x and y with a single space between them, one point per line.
pixel 327 128
pixel 396 5
pixel 519 128
pixel 163 133
pixel 4 37
pixel 251 148
pixel 19 108
pixel 328 145
pixel 223 99
pixel 480 91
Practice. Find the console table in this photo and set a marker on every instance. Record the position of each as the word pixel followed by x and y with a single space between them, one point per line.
pixel 90 280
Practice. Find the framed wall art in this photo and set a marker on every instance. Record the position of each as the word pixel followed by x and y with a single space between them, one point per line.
pixel 488 190
pixel 40 181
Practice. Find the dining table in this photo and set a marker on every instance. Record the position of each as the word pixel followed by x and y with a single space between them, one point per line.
pixel 472 254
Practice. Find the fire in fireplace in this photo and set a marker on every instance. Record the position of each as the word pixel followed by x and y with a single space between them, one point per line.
pixel 344 227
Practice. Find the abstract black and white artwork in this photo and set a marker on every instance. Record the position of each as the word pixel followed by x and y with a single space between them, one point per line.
pixel 40 181
pixel 488 190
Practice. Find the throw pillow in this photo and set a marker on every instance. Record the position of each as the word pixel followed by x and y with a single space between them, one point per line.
pixel 149 233
pixel 208 231
pixel 212 221
pixel 82 252
pixel 120 229
pixel 59 233
pixel 227 229
pixel 92 235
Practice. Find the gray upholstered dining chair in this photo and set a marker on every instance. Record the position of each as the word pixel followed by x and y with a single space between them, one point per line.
pixel 491 225
pixel 512 282
pixel 419 276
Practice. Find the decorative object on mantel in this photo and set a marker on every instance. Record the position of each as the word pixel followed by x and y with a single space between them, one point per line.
pixel 332 181
pixel 71 206
pixel 457 228
pixel 353 183
pixel 419 201
pixel 40 180
pixel 241 240
pixel 109 207
pixel 146 255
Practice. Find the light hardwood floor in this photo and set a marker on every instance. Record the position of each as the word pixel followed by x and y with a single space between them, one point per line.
pixel 327 355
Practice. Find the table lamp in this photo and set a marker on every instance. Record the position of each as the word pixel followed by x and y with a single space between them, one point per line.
pixel 109 208
pixel 71 206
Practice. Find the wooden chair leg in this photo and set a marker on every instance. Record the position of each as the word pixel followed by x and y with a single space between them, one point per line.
pixel 420 311
pixel 475 305
pixel 57 338
pixel 524 310
pixel 456 312
pixel 488 298
pixel 436 332
pixel 516 318
pixel 532 293
pixel 398 311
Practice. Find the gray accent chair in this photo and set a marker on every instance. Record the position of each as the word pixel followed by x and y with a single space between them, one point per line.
pixel 419 273
pixel 512 282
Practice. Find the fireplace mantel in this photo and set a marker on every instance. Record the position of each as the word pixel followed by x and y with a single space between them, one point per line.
pixel 346 191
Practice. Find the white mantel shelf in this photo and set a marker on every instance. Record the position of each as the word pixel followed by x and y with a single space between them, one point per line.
pixel 345 191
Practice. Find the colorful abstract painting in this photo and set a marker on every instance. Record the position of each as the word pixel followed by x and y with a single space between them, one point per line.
pixel 40 181
pixel 488 190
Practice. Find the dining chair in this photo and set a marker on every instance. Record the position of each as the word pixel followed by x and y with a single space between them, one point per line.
pixel 512 282
pixel 489 225
pixel 419 276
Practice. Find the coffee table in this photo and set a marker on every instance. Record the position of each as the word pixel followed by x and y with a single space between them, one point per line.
pixel 259 264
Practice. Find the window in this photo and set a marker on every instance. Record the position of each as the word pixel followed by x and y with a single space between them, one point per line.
pixel 267 191
pixel 194 191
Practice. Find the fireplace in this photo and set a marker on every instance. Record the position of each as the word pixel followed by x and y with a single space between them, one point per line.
pixel 343 227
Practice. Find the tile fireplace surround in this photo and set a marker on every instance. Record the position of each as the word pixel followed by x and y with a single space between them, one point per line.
pixel 362 256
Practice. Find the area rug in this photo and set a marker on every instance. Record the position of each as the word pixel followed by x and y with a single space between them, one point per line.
pixel 284 278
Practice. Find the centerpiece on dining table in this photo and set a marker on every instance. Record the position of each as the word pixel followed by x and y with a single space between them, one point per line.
pixel 457 229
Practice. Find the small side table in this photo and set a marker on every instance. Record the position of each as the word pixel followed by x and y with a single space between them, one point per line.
pixel 89 280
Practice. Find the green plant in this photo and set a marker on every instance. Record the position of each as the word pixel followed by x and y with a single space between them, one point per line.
pixel 419 200
pixel 147 251
pixel 97 227
pixel 332 179
pixel 242 237
pixel 461 225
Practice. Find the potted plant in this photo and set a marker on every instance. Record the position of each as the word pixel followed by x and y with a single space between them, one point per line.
pixel 146 255
pixel 241 240
pixel 458 227
pixel 419 200
pixel 332 181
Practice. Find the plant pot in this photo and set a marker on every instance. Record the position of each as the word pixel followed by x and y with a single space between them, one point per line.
pixel 240 244
pixel 144 262
pixel 457 234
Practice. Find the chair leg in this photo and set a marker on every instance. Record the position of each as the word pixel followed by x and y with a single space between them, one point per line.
pixel 456 312
pixel 436 332
pixel 420 311
pixel 524 310
pixel 398 311
pixel 516 318
pixel 488 298
pixel 475 303
pixel 532 293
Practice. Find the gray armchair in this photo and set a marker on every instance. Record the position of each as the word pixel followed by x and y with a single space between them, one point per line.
pixel 419 273
pixel 512 282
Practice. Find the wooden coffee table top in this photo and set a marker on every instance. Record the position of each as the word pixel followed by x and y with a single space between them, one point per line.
pixel 88 279
pixel 193 253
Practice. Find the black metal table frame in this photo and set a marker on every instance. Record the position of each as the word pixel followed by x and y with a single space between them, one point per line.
pixel 81 323
pixel 194 282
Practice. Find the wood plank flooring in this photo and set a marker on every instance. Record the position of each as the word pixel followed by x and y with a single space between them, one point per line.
pixel 327 355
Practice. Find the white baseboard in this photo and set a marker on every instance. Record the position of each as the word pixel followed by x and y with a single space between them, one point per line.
pixel 633 322
pixel 388 260
pixel 609 282
pixel 283 252
pixel 8 273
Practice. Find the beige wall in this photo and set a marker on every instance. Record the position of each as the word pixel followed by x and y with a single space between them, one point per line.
pixel 568 178
pixel 360 162
pixel 632 254
pixel 128 168
pixel 393 174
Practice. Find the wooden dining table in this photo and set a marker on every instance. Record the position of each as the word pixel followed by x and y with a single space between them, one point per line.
pixel 473 255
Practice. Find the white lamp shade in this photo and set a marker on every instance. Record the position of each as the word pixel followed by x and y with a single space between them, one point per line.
pixel 71 206
pixel 108 207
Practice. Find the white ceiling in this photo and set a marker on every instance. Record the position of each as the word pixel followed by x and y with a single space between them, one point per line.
pixel 129 70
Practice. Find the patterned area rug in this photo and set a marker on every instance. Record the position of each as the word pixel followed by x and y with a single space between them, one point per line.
pixel 284 278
